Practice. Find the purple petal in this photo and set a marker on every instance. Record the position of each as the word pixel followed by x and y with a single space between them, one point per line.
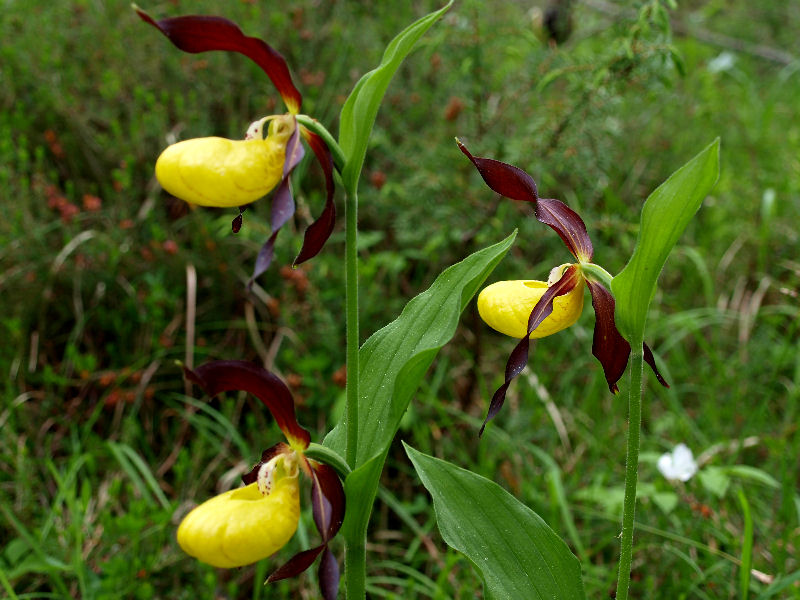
pixel 327 500
pixel 519 356
pixel 329 575
pixel 196 34
pixel 282 205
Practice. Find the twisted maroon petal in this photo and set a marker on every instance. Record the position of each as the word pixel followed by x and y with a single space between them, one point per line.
pixel 568 225
pixel 227 375
pixel 650 360
pixel 608 345
pixel 282 204
pixel 297 564
pixel 519 356
pixel 196 34
pixel 507 180
pixel 320 230
pixel 512 182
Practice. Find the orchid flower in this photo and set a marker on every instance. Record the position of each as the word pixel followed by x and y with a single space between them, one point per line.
pixel 245 525
pixel 223 173
pixel 531 309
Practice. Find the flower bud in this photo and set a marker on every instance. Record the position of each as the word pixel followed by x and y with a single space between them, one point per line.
pixel 242 526
pixel 506 305
pixel 215 171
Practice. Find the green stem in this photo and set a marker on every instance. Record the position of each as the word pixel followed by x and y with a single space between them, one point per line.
pixel 355 551
pixel 336 152
pixel 351 320
pixel 631 468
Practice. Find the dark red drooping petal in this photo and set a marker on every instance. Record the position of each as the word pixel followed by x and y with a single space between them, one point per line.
pixel 228 375
pixel 282 204
pixel 320 230
pixel 327 500
pixel 507 180
pixel 297 564
pixel 236 224
pixel 568 225
pixel 196 34
pixel 608 345
pixel 519 356
pixel 650 360
pixel 329 575
pixel 266 456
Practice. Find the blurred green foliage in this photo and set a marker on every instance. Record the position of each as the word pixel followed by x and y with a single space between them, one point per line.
pixel 94 271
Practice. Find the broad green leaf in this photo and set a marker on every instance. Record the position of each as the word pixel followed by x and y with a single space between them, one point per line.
pixel 665 215
pixel 518 555
pixel 392 363
pixel 361 107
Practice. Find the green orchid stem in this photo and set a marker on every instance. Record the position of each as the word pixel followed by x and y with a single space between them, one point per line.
pixel 318 128
pixel 596 273
pixel 355 544
pixel 327 456
pixel 631 468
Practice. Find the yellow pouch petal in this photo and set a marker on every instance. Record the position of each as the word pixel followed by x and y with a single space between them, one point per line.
pixel 506 306
pixel 242 526
pixel 215 171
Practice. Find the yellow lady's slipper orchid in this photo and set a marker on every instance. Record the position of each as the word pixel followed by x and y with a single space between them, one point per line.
pixel 506 306
pixel 214 171
pixel 534 309
pixel 242 526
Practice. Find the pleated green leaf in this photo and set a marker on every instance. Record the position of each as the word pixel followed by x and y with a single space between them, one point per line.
pixel 517 554
pixel 665 215
pixel 392 363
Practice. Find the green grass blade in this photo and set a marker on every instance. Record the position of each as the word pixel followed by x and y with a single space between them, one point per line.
pixel 747 547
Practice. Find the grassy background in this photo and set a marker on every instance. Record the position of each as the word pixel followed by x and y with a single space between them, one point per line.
pixel 102 446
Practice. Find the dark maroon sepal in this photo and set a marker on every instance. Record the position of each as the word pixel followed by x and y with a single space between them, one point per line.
pixel 329 575
pixel 519 355
pixel 320 230
pixel 608 345
pixel 266 456
pixel 196 34
pixel 650 360
pixel 568 225
pixel 297 564
pixel 228 375
pixel 507 180
pixel 236 224
pixel 327 500
pixel 282 204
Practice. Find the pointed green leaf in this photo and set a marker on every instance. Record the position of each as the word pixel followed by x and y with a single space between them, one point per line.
pixel 665 215
pixel 361 107
pixel 518 555
pixel 392 363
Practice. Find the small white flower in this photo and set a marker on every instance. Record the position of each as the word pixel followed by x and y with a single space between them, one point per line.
pixel 678 465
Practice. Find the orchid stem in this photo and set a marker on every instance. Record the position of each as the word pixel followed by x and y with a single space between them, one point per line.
pixel 351 320
pixel 355 552
pixel 631 469
pixel 336 152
